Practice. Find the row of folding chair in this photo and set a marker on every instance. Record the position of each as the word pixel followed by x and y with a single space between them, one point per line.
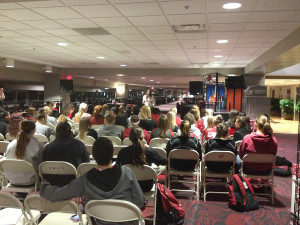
pixel 62 212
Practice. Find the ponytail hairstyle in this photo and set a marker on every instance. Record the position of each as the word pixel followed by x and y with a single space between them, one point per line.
pixel 136 136
pixel 84 126
pixel 26 127
pixel 210 122
pixel 185 128
pixel 163 126
pixel 82 109
pixel 97 112
pixel 263 124
pixel 218 119
pixel 13 127
pixel 196 112
pixel 222 130
pixel 171 119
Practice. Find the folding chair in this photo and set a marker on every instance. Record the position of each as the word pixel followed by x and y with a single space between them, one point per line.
pixel 184 154
pixel 1 137
pixel 60 212
pixel 237 145
pixel 89 148
pixel 121 127
pixel 3 146
pixel 161 151
pixel 117 149
pixel 87 140
pixel 85 167
pixel 115 140
pixel 113 210
pixel 9 137
pixel 41 138
pixel 13 209
pixel 220 157
pixel 260 159
pixel 75 125
pixel 127 141
pixel 50 125
pixel 52 137
pixel 53 170
pixel 22 168
pixel 159 142
pixel 95 127
pixel 147 173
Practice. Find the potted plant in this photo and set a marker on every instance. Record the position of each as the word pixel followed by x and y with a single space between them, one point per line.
pixel 287 107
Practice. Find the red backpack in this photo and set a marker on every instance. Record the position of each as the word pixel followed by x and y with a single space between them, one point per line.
pixel 241 194
pixel 168 209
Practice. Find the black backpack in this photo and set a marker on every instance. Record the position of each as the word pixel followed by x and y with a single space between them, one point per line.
pixel 241 194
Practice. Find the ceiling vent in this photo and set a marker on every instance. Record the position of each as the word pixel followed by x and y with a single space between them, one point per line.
pixel 91 31
pixel 190 28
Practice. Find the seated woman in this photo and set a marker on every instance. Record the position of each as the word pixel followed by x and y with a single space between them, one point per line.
pixel 82 112
pixel 220 143
pixel 210 131
pixel 67 111
pixel 27 148
pixel 163 130
pixel 171 119
pixel 109 128
pixel 184 141
pixel 137 154
pixel 261 141
pixel 31 114
pixel 97 118
pixel 242 128
pixel 147 122
pixel 135 121
pixel 199 122
pixel 85 129
pixel 13 126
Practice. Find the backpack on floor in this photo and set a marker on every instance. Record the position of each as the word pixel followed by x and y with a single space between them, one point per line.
pixel 168 209
pixel 241 194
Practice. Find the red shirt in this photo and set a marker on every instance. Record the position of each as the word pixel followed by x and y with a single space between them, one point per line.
pixel 178 121
pixel 99 121
pixel 156 118
pixel 210 133
pixel 231 130
pixel 199 125
pixel 127 131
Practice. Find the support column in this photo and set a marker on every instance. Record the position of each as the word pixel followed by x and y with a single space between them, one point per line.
pixel 52 87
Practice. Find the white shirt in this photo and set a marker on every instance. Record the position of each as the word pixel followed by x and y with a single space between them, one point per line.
pixel 148 101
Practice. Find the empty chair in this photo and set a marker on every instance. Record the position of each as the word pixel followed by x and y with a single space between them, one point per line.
pixel 184 154
pixel 57 172
pixel 41 138
pixel 60 212
pixel 14 210
pixel 18 168
pixel 217 157
pixel 266 175
pixel 115 140
pixel 1 137
pixel 3 146
pixel 113 210
pixel 159 142
pixel 9 137
pixel 87 140
pixel 85 167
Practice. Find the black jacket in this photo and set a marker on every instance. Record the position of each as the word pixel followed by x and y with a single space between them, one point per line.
pixel 240 133
pixel 3 126
pixel 148 125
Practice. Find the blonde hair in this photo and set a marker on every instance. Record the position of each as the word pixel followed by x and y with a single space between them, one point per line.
pixel 196 113
pixel 210 122
pixel 218 119
pixel 82 109
pixel 263 124
pixel 84 126
pixel 185 128
pixel 209 112
pixel 163 126
pixel 145 112
pixel 171 120
pixel 61 118
pixel 174 110
pixel 47 110
pixel 110 117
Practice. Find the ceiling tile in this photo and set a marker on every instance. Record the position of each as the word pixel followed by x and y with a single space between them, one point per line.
pixel 192 36
pixel 162 43
pixel 267 5
pixel 194 43
pixel 34 33
pixel 112 22
pixel 76 38
pixel 227 26
pixel 161 36
pixel 44 24
pixel 187 19
pixel 97 11
pixel 103 38
pixel 37 4
pixel 228 17
pixel 131 37
pixel 53 40
pixel 8 34
pixel 61 32
pixel 85 2
pixel 140 9
pixel 259 39
pixel 77 23
pixel 156 30
pixel 224 35
pixel 123 30
pixel 148 21
pixel 280 33
pixel 58 13
pixel 130 1
pixel 140 43
pixel 14 25
pixel 184 7
pixel 248 45
pixel 21 14
pixel 280 16
pixel 273 26
pixel 25 39
pixel 10 6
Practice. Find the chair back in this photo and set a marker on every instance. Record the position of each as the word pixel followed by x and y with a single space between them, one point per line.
pixel 3 146
pixel 117 149
pixel 127 141
pixel 95 127
pixel 121 127
pixel 237 144
pixel 106 210
pixel 144 172
pixel 259 158
pixel 186 154
pixel 85 167
pixel 89 148
pixel 159 142
pixel 161 151
pixel 219 156
pixel 52 137
pixel 88 140
pixel 41 138
pixel 56 168
pixel 9 137
pixel 50 125
pixel 1 137
pixel 115 140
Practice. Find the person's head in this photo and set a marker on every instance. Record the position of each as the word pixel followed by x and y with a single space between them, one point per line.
pixel 110 118
pixel 222 131
pixel 103 151
pixel 174 110
pixel 209 112
pixel 233 113
pixel 105 107
pixel 68 109
pixel 4 115
pixel 97 112
pixel 185 128
pixel 155 110
pixel 63 130
pixel 240 122
pixel 27 127
pixel 84 126
pixel 196 113
pixel 83 107
pixel 61 118
pixel 163 126
pixel 171 120
pixel 190 117
pixel 47 110
pixel 135 120
pixel 210 122
pixel 31 112
pixel 262 124
pixel 218 119
pixel 136 136
pixel 52 105
pixel 42 116
pixel 135 110
pixel 13 127
pixel 145 112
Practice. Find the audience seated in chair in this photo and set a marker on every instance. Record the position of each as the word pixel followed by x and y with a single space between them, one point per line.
pixel 242 128
pixel 178 120
pixel 109 128
pixel 4 119
pixel 208 113
pixel 97 118
pixel 163 130
pixel 210 130
pixel 13 127
pixel 85 129
pixel 147 122
pixel 50 118
pixel 40 126
pixel 171 119
pixel 194 131
pixel 82 112
pixel 135 121
pixel 196 112
pixel 105 182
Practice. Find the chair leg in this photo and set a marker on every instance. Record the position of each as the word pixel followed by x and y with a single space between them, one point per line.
pixel 169 180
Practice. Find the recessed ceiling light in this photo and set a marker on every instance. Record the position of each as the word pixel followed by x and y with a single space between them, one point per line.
pixel 222 41
pixel 92 77
pixel 123 65
pixel 281 82
pixel 100 57
pixel 143 78
pixel 120 75
pixel 106 79
pixel 106 88
pixel 216 64
pixel 233 5
pixel 151 80
pixel 231 75
pixel 158 82
pixel 218 56
pixel 295 80
pixel 62 44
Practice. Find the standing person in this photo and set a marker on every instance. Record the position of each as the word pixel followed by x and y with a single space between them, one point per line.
pixel 148 99
pixel 104 182
pixel 138 154
pixel 4 119
pixel 261 141
pixel 27 148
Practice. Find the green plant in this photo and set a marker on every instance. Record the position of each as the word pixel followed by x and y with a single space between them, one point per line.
pixel 298 106
pixel 288 106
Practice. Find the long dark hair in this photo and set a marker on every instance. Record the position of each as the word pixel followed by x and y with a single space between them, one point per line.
pixel 136 136
pixel 26 126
